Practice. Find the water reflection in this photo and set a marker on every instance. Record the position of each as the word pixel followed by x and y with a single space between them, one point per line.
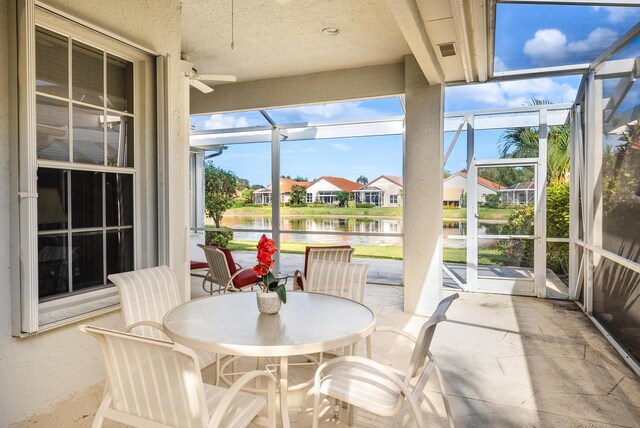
pixel 321 224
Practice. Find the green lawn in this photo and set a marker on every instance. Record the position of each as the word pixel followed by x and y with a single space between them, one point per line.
pixel 491 256
pixel 484 213
pixel 362 251
pixel 394 252
pixel 461 213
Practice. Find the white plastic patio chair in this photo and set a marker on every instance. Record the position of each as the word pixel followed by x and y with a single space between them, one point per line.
pixel 380 389
pixel 336 253
pixel 340 279
pixel 224 272
pixel 146 295
pixel 153 383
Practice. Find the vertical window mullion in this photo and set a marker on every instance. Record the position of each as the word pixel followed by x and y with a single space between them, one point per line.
pixel 104 106
pixel 69 234
pixel 70 95
pixel 104 230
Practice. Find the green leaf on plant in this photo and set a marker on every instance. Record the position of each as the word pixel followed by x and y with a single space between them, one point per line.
pixel 280 290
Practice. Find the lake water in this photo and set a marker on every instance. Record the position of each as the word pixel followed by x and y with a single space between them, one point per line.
pixel 346 224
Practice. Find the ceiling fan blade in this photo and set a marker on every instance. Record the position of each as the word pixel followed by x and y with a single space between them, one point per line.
pixel 200 86
pixel 216 77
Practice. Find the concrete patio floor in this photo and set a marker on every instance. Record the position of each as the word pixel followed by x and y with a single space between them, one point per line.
pixel 507 362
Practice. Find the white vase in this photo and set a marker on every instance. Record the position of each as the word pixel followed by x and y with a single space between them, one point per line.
pixel 268 303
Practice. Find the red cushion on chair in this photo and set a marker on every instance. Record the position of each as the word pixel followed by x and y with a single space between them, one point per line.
pixel 248 277
pixel 198 265
pixel 229 257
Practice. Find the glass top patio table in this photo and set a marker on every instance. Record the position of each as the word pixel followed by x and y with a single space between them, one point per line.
pixel 231 324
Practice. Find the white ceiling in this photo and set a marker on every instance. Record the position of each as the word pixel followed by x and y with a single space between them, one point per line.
pixel 279 38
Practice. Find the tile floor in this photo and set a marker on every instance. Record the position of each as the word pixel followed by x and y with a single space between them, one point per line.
pixel 507 362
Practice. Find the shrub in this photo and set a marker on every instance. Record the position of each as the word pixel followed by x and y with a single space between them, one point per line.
pixel 239 203
pixel 217 238
pixel 297 205
pixel 521 222
pixel 351 204
pixel 364 205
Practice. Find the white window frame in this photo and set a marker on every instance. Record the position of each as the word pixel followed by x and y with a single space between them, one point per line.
pixel 393 199
pixel 29 315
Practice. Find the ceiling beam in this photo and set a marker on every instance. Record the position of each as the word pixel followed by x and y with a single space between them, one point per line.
pixel 409 19
pixel 462 26
pixel 315 88
pixel 479 22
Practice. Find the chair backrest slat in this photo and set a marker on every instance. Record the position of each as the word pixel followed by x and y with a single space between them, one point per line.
pixel 423 343
pixel 152 379
pixel 218 265
pixel 339 279
pixel 329 254
pixel 147 295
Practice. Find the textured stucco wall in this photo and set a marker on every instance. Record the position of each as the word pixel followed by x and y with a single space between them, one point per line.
pixel 39 371
pixel 422 192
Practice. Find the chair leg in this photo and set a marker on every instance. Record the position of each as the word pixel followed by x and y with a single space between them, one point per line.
pixel 350 415
pixel 369 348
pixel 316 406
pixel 445 397
pixel 98 420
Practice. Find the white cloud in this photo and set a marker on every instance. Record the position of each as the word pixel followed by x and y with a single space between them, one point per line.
pixel 341 147
pixel 499 64
pixel 598 40
pixel 618 15
pixel 510 94
pixel 333 111
pixel 223 121
pixel 547 46
pixel 550 47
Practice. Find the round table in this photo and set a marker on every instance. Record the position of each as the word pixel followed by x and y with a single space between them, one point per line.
pixel 231 324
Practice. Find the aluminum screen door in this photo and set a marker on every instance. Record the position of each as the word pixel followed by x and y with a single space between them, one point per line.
pixel 502 253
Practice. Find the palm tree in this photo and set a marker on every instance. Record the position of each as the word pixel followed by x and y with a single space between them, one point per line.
pixel 362 180
pixel 523 143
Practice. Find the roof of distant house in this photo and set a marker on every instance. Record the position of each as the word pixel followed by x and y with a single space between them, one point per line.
pixel 339 182
pixel 527 185
pixel 392 178
pixel 483 181
pixel 286 184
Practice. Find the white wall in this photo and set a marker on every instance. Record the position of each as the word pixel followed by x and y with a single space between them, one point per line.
pixel 39 371
pixel 460 182
pixel 389 188
pixel 322 185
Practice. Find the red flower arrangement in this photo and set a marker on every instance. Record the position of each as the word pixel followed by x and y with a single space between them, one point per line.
pixel 266 250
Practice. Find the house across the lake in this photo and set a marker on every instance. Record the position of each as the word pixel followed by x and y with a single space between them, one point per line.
pixel 325 189
pixel 263 196
pixel 455 187
pixel 384 191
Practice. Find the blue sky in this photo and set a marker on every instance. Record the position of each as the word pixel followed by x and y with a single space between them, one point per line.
pixel 527 36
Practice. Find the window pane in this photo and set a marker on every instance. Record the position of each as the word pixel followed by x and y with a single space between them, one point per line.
pixel 119 141
pixel 119 84
pixel 88 135
pixel 119 199
pixel 119 251
pixel 52 199
pixel 86 199
pixel 52 67
pixel 52 127
pixel 53 273
pixel 88 262
pixel 88 72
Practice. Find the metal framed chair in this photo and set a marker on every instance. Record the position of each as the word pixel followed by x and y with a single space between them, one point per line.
pixel 224 272
pixel 146 295
pixel 336 253
pixel 380 389
pixel 156 383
